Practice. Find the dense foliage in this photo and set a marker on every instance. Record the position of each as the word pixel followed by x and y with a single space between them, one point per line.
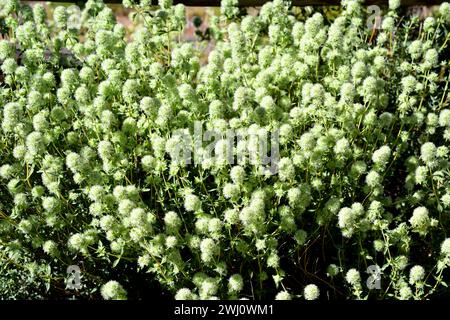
pixel 90 118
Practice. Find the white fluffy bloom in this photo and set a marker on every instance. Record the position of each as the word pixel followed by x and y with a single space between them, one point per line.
pixel 184 294
pixel 237 174
pixel 416 274
pixel 231 216
pixel 444 118
pixel 421 174
pixel 405 293
pixel 235 283
pixel 353 277
pixel 286 170
pixel 394 4
pixel 76 242
pixel 208 288
pixel 50 248
pixel 6 171
pixel 311 292
pixel 445 247
pixel 428 153
pixel 231 191
pixel 345 218
pixel 112 290
pixel 215 226
pixel 171 220
pixel 283 295
pixel 105 150
pixel 420 220
pixel 342 146
pixel 381 156
pixel 373 179
pixel 445 199
pixel 208 249
pixel 192 203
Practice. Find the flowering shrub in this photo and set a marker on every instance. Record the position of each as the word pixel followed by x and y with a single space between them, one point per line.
pixel 88 122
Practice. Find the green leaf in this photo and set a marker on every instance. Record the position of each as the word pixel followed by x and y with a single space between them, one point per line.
pixel 116 262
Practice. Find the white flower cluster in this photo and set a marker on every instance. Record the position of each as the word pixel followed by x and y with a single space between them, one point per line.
pixel 92 117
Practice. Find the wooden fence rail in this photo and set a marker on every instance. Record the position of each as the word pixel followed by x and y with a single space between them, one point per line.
pixel 257 3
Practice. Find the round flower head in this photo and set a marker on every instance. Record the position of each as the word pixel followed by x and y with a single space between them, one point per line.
pixel 20 200
pixel 37 192
pixel 9 66
pixel 138 217
pixel 428 152
pixel 231 191
pixel 172 221
pixel 445 199
pixel 231 216
pixel 25 226
pixel 347 92
pixel 405 293
pixel 105 150
pixel 50 204
pixel 96 193
pixel 373 179
pixel 6 50
pixel 286 170
pixel 229 8
pixel 69 78
pixel 235 283
pixel 381 156
pixel 50 248
pixel 35 143
pixel 353 277
pixel 192 203
pixel 60 16
pixel 107 222
pixel 388 24
pixel 202 225
pixel 421 174
pixel 431 58
pixel 184 294
pixel 301 237
pixel 273 261
pixel 429 24
pixel 6 171
pixel 208 249
pixel 216 109
pixel 307 141
pixel 333 270
pixel 416 274
pixel 445 247
pixel 215 226
pixel 113 290
pixel 39 14
pixel 444 118
pixel 283 295
pixel 76 242
pixel 171 242
pixel 394 4
pixel 208 288
pixel 420 220
pixel 342 146
pixel 378 245
pixel 346 218
pixel 237 174
pixel 40 122
pixel 444 9
pixel 311 292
